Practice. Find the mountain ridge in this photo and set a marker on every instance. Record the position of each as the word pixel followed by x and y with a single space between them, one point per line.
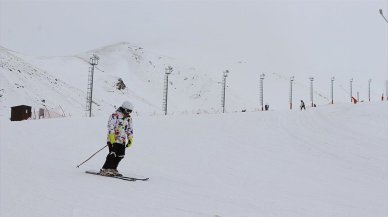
pixel 141 71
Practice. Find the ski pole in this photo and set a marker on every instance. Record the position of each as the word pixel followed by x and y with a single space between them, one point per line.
pixel 91 156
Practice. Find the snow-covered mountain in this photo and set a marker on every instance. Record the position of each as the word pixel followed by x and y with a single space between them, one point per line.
pixel 61 82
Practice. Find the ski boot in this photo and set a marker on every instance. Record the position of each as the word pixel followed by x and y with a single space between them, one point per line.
pixel 116 172
pixel 107 172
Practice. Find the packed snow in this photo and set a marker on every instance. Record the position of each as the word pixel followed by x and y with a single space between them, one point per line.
pixel 326 161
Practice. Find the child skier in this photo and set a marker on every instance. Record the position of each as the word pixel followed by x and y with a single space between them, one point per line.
pixel 120 136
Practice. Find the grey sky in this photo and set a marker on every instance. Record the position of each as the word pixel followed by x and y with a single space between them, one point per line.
pixel 347 36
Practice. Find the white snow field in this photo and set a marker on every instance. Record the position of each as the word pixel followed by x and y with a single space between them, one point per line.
pixel 327 161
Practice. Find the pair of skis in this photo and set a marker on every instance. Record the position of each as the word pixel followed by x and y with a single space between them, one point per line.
pixel 125 178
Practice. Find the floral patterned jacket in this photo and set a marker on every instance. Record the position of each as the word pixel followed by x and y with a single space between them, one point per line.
pixel 120 125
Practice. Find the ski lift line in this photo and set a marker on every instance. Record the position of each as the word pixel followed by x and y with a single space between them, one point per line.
pixel 99 69
pixel 89 96
pixel 262 76
pixel 168 71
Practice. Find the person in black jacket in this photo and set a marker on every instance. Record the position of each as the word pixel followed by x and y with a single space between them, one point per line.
pixel 302 105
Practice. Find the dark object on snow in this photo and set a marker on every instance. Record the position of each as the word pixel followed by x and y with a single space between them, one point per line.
pixel 20 112
pixel 120 84
pixel 302 105
pixel 354 100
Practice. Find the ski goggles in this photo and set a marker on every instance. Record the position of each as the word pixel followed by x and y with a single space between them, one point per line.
pixel 127 110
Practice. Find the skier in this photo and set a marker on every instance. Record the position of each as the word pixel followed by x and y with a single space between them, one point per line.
pixel 120 136
pixel 354 100
pixel 302 105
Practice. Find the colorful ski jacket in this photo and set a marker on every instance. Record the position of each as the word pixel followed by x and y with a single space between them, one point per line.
pixel 120 128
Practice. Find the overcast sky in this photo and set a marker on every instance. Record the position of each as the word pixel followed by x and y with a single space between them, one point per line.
pixel 310 35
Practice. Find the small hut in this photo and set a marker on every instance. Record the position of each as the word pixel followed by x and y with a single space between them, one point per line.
pixel 20 112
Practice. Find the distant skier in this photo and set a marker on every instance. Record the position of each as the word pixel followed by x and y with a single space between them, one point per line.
pixel 354 100
pixel 120 136
pixel 302 105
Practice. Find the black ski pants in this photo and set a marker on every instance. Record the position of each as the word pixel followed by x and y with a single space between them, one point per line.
pixel 116 154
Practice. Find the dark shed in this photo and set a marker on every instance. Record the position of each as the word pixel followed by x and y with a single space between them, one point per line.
pixel 20 112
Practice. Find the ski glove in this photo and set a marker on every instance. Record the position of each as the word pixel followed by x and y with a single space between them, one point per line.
pixel 129 142
pixel 112 138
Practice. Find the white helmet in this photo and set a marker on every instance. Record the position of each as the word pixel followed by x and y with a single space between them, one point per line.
pixel 127 105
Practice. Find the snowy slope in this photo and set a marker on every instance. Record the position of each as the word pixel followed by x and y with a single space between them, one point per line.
pixel 142 72
pixel 62 83
pixel 331 161
pixel 24 83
